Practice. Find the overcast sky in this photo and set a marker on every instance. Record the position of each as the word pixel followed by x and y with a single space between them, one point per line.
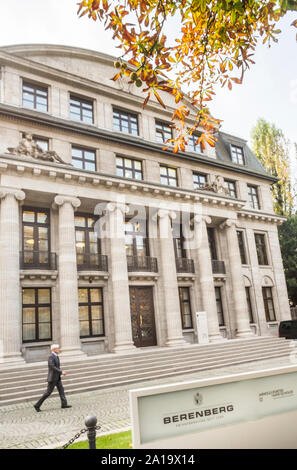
pixel 269 89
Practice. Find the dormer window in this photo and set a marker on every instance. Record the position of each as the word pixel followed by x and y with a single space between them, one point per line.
pixel 237 154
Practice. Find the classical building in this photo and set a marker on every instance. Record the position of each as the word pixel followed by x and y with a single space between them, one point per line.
pixel 108 242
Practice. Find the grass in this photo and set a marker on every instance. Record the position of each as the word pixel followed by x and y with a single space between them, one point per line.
pixel 121 440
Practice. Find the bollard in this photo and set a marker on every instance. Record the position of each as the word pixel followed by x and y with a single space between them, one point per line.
pixel 91 422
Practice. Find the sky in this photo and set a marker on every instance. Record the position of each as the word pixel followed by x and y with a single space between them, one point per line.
pixel 269 89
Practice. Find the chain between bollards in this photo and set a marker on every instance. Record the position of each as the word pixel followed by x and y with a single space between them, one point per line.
pixel 90 422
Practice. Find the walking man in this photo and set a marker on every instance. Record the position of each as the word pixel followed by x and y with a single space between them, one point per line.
pixel 54 379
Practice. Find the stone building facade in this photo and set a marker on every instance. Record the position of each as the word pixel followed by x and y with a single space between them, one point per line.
pixel 108 242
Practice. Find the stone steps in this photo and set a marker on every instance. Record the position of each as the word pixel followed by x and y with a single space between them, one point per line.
pixel 28 383
pixel 186 357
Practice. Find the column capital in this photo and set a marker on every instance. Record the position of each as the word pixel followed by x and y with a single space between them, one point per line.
pixel 202 218
pixel 60 200
pixel 17 193
pixel 229 223
pixel 162 213
pixel 114 206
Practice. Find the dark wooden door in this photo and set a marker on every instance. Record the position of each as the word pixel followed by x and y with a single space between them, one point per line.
pixel 142 316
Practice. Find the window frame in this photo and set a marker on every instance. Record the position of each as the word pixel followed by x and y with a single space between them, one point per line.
pixel 219 301
pixel 132 169
pixel 35 226
pixel 183 301
pixel 234 189
pixel 198 175
pixel 36 306
pixel 235 154
pixel 249 304
pixel 82 101
pixel 266 300
pixel 242 247
pixel 264 253
pixel 86 229
pixel 89 304
pixel 253 197
pixel 83 159
pixel 141 234
pixel 161 128
pixel 128 115
pixel 167 167
pixel 191 141
pixel 35 87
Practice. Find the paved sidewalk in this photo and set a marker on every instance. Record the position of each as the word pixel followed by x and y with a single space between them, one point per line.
pixel 21 427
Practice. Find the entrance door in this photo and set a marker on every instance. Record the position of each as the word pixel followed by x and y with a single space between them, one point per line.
pixel 142 316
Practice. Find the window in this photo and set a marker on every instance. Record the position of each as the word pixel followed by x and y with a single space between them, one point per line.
pixel 261 248
pixel 192 146
pixel 86 240
pixel 91 317
pixel 231 188
pixel 125 122
pixel 199 180
pixel 84 159
pixel 185 307
pixel 253 197
pixel 136 238
pixel 178 241
pixel 237 154
pixel 249 304
pixel 36 314
pixel 212 243
pixel 81 109
pixel 219 306
pixel 36 237
pixel 268 304
pixel 241 246
pixel 163 132
pixel 129 168
pixel 168 175
pixel 35 96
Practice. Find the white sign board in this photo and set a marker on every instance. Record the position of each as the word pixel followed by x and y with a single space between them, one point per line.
pixel 202 327
pixel 248 410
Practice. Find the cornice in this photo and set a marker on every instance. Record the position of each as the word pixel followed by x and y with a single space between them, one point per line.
pixel 38 119
pixel 261 216
pixel 68 174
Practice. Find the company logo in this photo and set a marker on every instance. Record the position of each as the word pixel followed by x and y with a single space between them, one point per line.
pixel 198 398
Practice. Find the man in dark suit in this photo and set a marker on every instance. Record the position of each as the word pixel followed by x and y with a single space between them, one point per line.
pixel 54 379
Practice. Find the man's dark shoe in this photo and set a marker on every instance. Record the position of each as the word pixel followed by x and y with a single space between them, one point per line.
pixel 66 406
pixel 36 408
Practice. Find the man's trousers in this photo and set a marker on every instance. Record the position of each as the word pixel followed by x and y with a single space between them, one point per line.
pixel 50 388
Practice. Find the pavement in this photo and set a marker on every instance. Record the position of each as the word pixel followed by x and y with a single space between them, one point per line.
pixel 21 427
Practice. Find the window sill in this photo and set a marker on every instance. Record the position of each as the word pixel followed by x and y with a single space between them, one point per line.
pixel 36 344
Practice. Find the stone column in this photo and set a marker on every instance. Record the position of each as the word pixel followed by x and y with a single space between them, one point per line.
pixel 203 256
pixel 10 292
pixel 238 289
pixel 68 286
pixel 169 280
pixel 119 278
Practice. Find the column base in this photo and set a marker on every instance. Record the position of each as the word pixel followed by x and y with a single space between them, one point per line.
pixel 13 359
pixel 176 342
pixel 71 352
pixel 216 338
pixel 122 348
pixel 244 334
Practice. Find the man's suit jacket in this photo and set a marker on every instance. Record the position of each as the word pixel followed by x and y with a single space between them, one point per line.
pixel 54 371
